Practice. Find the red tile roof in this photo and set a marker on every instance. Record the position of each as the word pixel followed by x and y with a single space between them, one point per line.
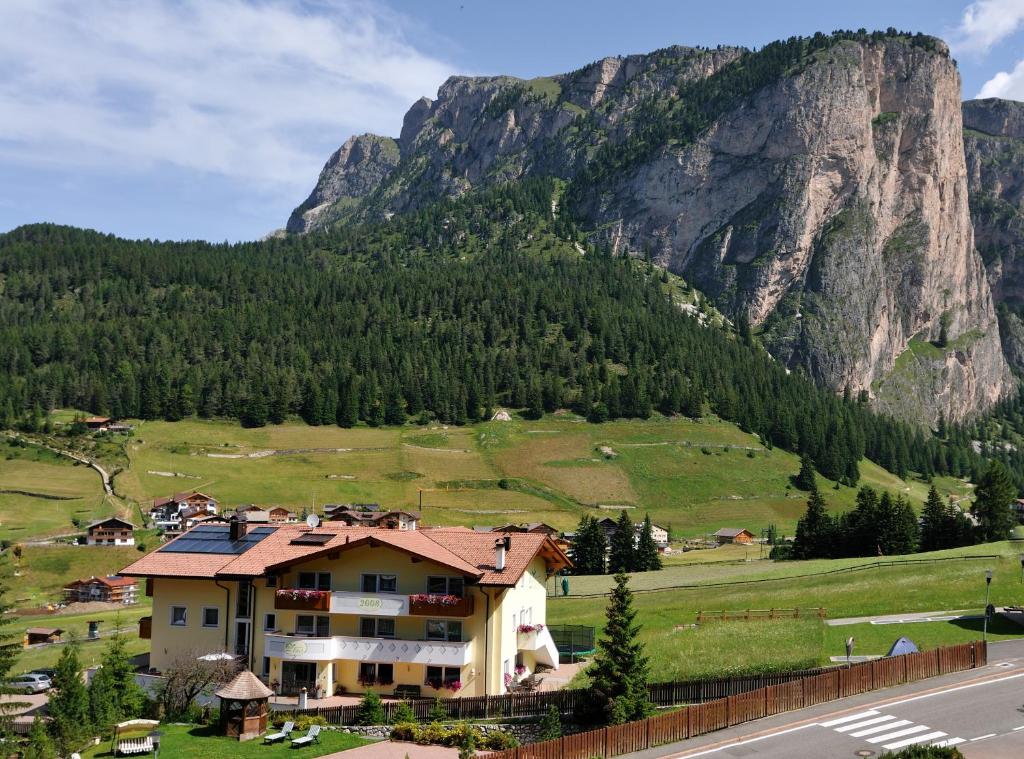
pixel 459 549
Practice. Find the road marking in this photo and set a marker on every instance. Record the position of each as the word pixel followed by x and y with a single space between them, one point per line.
pixel 881 728
pixel 898 734
pixel 749 740
pixel 948 742
pixel 983 737
pixel 943 692
pixel 1018 728
pixel 911 741
pixel 865 723
pixel 851 718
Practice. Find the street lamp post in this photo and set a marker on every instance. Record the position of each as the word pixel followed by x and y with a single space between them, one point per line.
pixel 988 585
pixel 1022 568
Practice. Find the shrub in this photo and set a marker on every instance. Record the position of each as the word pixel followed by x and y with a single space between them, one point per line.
pixel 551 725
pixel 705 450
pixel 437 711
pixel 404 731
pixel 404 714
pixel 500 740
pixel 434 732
pixel 371 710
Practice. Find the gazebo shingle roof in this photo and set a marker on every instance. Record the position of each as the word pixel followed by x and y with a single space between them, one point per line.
pixel 245 687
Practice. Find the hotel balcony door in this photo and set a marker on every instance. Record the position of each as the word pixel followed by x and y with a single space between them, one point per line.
pixel 242 637
pixel 296 675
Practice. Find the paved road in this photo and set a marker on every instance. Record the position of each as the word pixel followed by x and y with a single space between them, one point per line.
pixel 981 712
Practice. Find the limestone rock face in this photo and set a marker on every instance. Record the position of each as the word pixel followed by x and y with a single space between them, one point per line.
pixel 355 170
pixel 829 207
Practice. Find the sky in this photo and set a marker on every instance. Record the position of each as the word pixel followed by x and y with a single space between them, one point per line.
pixel 210 119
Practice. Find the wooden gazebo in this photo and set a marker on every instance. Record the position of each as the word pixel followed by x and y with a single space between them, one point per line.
pixel 244 706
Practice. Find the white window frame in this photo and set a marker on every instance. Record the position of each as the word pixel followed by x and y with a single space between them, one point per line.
pixel 184 616
pixel 202 619
pixel 268 616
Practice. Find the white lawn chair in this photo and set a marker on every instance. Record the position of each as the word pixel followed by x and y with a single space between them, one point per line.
pixel 132 746
pixel 309 738
pixel 284 732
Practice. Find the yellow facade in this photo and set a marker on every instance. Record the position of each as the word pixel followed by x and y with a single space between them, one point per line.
pixel 292 648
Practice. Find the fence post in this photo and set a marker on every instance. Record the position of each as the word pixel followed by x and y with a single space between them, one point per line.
pixel 647 733
pixel 607 742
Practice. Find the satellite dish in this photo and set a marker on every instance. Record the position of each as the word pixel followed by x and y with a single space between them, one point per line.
pixel 312 521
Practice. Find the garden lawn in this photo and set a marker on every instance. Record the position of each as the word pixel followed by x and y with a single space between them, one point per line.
pixel 190 741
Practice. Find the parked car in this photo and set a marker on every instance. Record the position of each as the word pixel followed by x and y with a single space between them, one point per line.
pixel 47 673
pixel 31 683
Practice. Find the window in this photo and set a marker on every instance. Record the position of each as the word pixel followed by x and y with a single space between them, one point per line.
pixel 269 622
pixel 178 616
pixel 446 586
pixel 380 583
pixel 376 627
pixel 443 629
pixel 438 676
pixel 211 616
pixel 376 674
pixel 272 581
pixel 307 624
pixel 266 666
pixel 315 580
pixel 243 600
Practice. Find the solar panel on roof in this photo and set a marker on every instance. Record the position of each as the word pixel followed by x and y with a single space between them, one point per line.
pixel 215 539
pixel 312 538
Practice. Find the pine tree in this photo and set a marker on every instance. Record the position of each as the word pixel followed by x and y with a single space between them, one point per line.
pixel 69 707
pixel 619 672
pixel 371 710
pixel 648 559
pixel 589 547
pixel 623 556
pixel 992 499
pixel 805 479
pixel 39 745
pixel 10 647
pixel 934 523
pixel 404 714
pixel 550 725
pixel 113 693
pixel 897 526
pixel 815 531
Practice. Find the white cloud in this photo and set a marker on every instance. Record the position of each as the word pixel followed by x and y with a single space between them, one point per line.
pixel 244 89
pixel 985 23
pixel 1005 84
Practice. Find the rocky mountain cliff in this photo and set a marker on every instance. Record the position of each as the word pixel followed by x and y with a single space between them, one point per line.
pixel 994 148
pixel 817 188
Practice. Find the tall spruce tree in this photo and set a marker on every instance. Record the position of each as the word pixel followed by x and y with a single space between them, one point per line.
pixel 647 558
pixel 815 531
pixel 935 522
pixel 39 744
pixel 69 707
pixel 619 672
pixel 9 647
pixel 623 555
pixel 992 499
pixel 805 479
pixel 898 530
pixel 113 693
pixel 589 547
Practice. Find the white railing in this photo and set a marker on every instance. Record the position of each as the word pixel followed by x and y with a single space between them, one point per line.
pixel 433 652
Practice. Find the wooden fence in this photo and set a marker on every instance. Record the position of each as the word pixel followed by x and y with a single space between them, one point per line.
pixel 791 689
pixel 721 713
pixel 747 615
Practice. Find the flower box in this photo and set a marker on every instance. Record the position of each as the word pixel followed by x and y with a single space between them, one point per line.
pixel 438 605
pixel 300 599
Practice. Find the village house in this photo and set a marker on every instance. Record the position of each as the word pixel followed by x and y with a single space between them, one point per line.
pixel 279 515
pixel 97 423
pixel 358 517
pixel 111 589
pixel 733 535
pixel 169 512
pixel 113 531
pixel 340 608
pixel 37 635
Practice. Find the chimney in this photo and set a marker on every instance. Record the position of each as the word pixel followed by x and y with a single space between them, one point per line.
pixel 501 547
pixel 238 527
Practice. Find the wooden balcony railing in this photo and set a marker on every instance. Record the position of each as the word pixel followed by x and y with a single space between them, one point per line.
pixel 434 605
pixel 302 600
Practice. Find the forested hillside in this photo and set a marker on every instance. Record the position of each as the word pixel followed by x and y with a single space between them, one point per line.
pixel 445 313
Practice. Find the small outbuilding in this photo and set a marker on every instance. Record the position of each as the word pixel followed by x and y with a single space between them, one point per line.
pixel 244 704
pixel 34 635
pixel 733 535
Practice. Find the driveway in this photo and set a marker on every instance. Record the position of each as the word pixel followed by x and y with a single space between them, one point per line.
pixel 390 750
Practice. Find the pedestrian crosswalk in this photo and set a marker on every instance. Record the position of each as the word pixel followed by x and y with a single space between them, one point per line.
pixel 889 732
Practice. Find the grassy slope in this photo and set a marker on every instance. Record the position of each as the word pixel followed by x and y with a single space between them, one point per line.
pixel 740 646
pixel 559 471
pixel 76 626
pixel 37 471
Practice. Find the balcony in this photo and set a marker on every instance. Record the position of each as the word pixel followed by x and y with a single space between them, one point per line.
pixel 302 600
pixel 537 638
pixel 394 650
pixel 434 605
